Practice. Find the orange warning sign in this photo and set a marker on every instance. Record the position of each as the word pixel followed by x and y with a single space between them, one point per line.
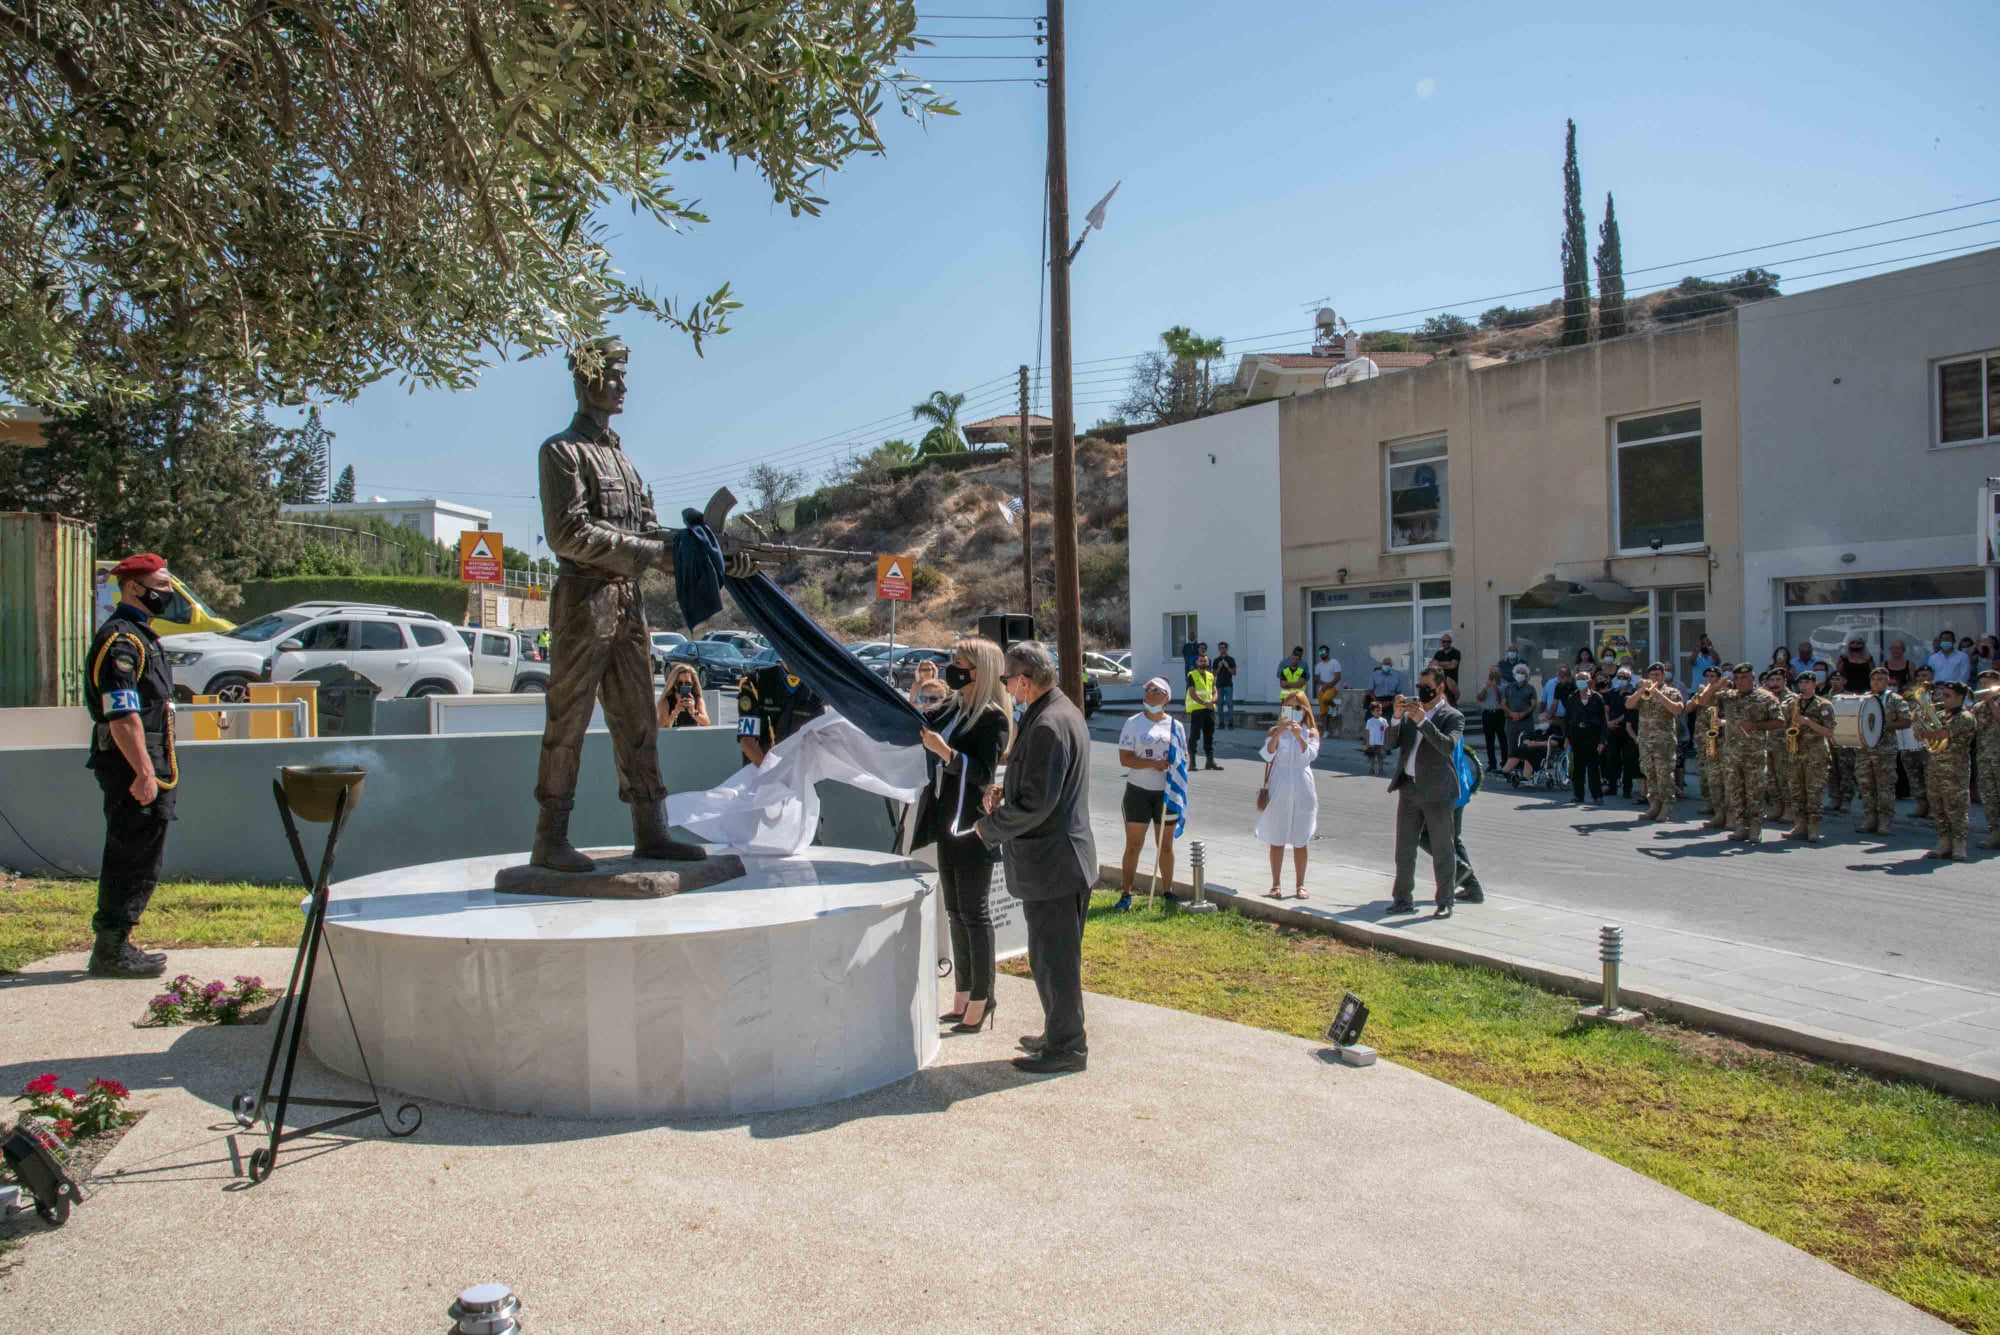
pixel 479 557
pixel 892 577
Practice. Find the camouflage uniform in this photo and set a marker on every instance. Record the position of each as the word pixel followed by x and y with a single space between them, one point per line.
pixel 1711 798
pixel 1744 758
pixel 1986 719
pixel 1656 750
pixel 1876 768
pixel 1916 764
pixel 1951 786
pixel 1778 763
pixel 1807 767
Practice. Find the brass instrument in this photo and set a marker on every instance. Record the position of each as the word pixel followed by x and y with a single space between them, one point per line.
pixel 1792 729
pixel 1927 718
pixel 1714 731
pixel 1646 691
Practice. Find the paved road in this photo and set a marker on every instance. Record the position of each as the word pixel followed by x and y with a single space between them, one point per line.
pixel 1853 899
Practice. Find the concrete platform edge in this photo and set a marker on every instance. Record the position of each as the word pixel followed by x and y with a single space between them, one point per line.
pixel 1876 1058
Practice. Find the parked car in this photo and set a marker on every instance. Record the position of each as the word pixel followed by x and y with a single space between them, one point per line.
pixel 499 664
pixel 664 642
pixel 744 642
pixel 868 650
pixel 1093 695
pixel 1106 670
pixel 715 664
pixel 401 651
pixel 900 669
pixel 185 615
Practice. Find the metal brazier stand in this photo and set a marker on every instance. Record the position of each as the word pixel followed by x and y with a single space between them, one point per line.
pixel 322 794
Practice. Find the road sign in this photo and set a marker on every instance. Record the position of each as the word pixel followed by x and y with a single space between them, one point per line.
pixel 479 557
pixel 892 577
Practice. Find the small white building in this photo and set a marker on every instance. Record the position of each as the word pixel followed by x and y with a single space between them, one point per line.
pixel 440 521
pixel 1205 561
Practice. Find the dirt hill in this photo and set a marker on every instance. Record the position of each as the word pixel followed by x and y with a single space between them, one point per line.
pixel 968 557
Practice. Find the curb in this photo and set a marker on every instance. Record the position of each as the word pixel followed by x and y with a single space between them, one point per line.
pixel 1876 1058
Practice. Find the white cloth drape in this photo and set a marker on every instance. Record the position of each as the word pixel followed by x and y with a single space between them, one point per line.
pixel 1290 817
pixel 772 808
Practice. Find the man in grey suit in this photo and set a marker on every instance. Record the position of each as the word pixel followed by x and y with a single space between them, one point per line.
pixel 1426 787
pixel 1040 820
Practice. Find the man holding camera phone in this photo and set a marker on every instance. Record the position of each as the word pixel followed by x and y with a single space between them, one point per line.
pixel 1427 731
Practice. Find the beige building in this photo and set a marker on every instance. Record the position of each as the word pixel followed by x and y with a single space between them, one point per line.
pixel 1584 497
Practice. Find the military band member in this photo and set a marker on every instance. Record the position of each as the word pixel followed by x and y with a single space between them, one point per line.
pixel 1748 713
pixel 771 705
pixel 1778 767
pixel 1658 705
pixel 1701 704
pixel 1875 768
pixel 1914 760
pixel 130 694
pixel 1951 772
pixel 1986 718
pixel 1812 714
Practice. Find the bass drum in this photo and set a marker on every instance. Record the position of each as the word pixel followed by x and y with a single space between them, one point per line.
pixel 1857 720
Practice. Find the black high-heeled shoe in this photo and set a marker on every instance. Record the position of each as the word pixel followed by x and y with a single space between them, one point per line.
pixel 985 1020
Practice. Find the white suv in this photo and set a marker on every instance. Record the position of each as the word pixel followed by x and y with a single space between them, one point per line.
pixel 402 652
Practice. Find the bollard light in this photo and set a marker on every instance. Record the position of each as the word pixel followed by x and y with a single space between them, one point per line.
pixel 1198 902
pixel 485 1309
pixel 1611 954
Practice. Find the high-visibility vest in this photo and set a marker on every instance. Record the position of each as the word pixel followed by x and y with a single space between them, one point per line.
pixel 1199 681
pixel 1292 675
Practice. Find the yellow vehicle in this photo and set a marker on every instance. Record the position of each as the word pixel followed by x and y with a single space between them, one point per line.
pixel 188 612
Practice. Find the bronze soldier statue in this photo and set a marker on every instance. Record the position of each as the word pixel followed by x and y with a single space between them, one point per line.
pixel 598 518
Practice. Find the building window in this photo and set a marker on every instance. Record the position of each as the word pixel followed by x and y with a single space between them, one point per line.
pixel 1657 460
pixel 1364 625
pixel 1883 609
pixel 1968 399
pixel 1181 627
pixel 1415 483
pixel 1253 602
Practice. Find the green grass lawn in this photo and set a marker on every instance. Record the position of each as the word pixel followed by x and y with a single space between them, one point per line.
pixel 1891 1182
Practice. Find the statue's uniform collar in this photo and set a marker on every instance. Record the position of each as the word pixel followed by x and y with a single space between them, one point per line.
pixel 584 428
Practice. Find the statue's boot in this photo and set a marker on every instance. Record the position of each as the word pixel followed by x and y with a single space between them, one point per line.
pixel 552 846
pixel 651 840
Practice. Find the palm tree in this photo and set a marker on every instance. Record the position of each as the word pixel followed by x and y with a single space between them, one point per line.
pixel 941 411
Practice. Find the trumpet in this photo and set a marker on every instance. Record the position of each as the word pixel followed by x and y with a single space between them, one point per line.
pixel 1647 689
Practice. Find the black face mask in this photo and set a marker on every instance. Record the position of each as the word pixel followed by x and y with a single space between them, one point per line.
pixel 1426 693
pixel 956 677
pixel 156 601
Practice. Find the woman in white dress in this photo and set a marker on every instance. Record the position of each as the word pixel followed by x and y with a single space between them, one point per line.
pixel 1291 811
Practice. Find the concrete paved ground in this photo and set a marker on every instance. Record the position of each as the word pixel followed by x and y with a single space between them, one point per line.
pixel 1200 1176
pixel 1854 937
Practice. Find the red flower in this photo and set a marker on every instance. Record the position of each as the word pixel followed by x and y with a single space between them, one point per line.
pixel 111 1087
pixel 65 1128
pixel 43 1084
pixel 69 1093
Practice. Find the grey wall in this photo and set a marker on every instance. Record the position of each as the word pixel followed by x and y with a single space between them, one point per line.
pixel 1832 468
pixel 426 799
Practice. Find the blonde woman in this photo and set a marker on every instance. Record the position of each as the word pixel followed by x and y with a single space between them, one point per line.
pixel 1291 807
pixel 966 737
pixel 681 703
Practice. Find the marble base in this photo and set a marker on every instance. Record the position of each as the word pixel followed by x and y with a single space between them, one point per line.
pixel 807 979
pixel 619 875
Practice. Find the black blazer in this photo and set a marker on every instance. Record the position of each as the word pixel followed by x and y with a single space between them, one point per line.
pixel 953 792
pixel 1043 827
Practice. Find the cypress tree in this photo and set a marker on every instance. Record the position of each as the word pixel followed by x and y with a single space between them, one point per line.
pixel 343 490
pixel 1610 276
pixel 1576 253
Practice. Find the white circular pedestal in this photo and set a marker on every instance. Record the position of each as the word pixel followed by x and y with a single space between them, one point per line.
pixel 810 979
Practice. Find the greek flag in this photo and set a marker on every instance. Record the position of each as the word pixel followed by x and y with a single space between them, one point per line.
pixel 1015 505
pixel 1177 783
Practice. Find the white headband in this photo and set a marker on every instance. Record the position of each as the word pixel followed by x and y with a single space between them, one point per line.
pixel 1161 682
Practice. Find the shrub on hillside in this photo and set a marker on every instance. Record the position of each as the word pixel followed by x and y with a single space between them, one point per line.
pixel 925 581
pixel 1103 571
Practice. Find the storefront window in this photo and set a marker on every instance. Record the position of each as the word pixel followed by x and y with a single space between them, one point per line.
pixel 1549 625
pixel 1884 608
pixel 1365 625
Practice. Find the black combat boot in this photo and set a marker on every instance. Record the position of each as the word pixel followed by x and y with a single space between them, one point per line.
pixel 113 956
pixel 552 847
pixel 650 838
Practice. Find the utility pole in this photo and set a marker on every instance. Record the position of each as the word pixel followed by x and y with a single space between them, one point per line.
pixel 1062 506
pixel 1027 504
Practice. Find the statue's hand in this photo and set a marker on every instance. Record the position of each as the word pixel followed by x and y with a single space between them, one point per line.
pixel 739 565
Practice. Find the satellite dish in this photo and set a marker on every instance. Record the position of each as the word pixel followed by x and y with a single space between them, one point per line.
pixel 1326 319
pixel 1361 368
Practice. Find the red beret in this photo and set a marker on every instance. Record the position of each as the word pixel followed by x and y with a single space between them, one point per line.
pixel 143 563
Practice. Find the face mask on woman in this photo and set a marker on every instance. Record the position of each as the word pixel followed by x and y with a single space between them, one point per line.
pixel 957 677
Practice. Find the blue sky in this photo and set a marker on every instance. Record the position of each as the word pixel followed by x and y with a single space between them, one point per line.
pixel 1391 158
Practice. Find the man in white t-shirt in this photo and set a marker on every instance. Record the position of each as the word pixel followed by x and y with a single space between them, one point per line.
pixel 1145 749
pixel 1326 685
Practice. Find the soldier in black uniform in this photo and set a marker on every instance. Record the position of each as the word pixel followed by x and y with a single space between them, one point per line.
pixel 771 705
pixel 130 696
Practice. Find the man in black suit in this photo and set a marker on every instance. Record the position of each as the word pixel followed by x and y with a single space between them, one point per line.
pixel 1040 821
pixel 1426 788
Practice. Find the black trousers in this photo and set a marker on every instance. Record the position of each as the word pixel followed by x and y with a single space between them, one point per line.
pixel 967 910
pixel 1493 722
pixel 1201 733
pixel 1584 760
pixel 1466 879
pixel 1621 763
pixel 135 840
pixel 1055 957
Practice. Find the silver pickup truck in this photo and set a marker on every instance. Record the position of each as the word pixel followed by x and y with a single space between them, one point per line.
pixel 497 665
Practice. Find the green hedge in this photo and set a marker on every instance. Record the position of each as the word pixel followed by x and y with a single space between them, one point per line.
pixel 445 597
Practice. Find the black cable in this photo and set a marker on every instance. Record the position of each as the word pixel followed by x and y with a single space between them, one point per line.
pixel 48 861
